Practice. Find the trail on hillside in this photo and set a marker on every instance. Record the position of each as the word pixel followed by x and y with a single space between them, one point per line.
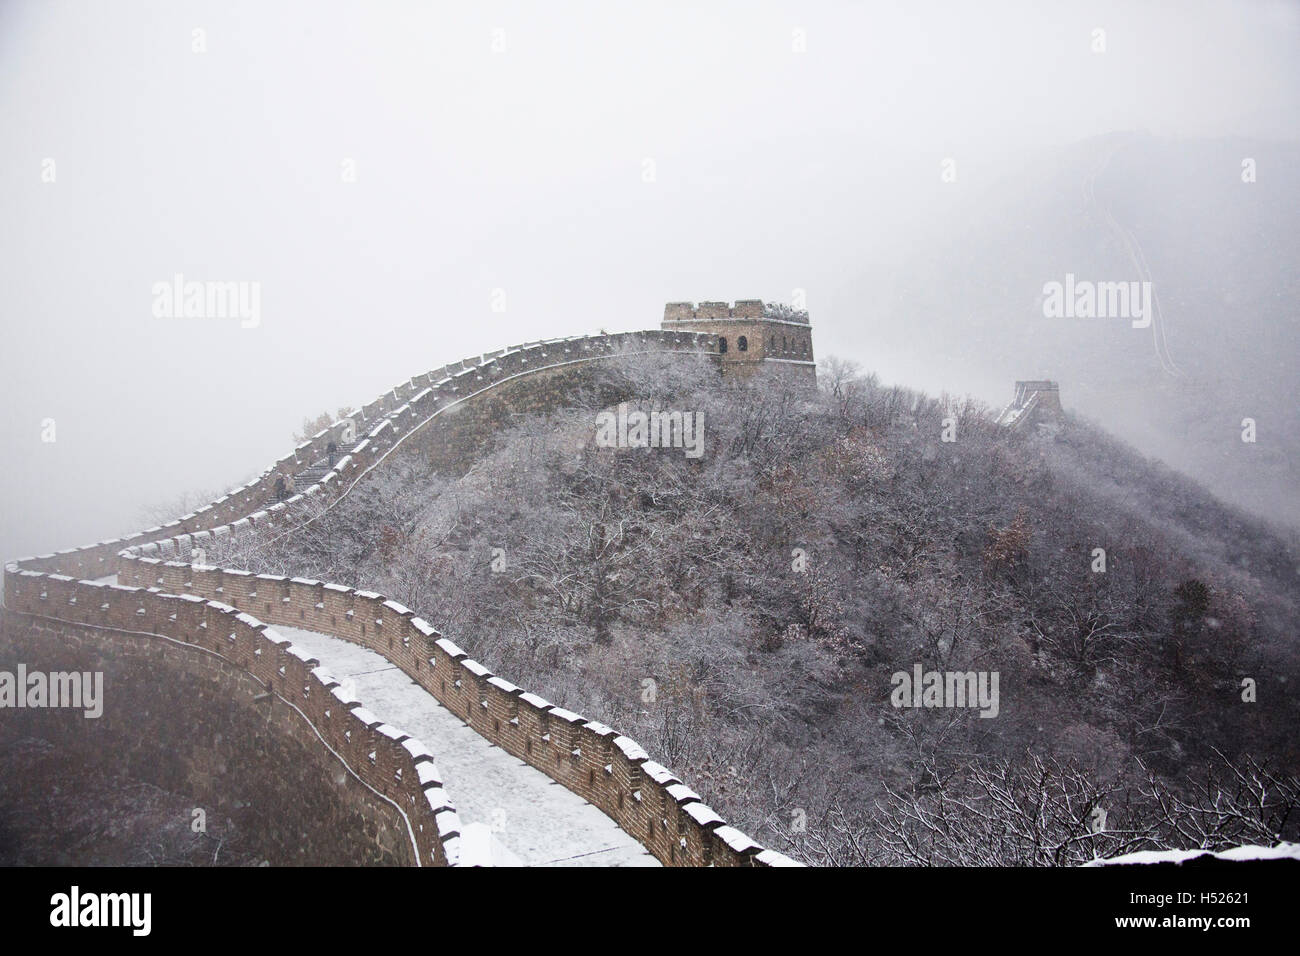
pixel 1137 258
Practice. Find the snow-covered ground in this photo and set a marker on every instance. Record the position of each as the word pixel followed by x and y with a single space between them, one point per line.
pixel 508 810
pixel 1283 851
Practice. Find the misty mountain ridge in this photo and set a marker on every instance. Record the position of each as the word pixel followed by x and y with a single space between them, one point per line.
pixel 1128 207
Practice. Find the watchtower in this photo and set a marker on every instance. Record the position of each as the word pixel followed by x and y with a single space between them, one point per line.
pixel 1037 400
pixel 754 337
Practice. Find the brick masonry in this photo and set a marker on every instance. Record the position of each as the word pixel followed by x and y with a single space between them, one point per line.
pixel 752 340
pixel 189 721
pixel 449 413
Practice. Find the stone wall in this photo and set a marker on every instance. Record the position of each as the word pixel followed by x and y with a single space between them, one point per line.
pixel 755 340
pixel 607 769
pixel 135 623
pixel 188 721
pixel 219 610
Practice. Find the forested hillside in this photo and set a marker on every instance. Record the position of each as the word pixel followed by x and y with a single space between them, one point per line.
pixel 742 614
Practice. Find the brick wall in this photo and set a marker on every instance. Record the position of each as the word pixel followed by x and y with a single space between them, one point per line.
pixel 226 612
pixel 773 346
pixel 41 615
pixel 189 721
pixel 593 760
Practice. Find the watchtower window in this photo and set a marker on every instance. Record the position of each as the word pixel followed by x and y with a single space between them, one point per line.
pixel 742 344
pixel 722 344
pixel 784 346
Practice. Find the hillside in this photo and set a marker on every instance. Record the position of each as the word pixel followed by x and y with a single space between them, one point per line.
pixel 1218 252
pixel 742 614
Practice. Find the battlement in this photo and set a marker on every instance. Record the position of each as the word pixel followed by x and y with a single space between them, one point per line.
pixel 743 309
pixel 1037 385
pixel 753 337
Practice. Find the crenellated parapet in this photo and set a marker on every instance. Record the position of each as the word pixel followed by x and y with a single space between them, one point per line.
pixel 390 762
pixel 232 613
pixel 742 309
pixel 754 338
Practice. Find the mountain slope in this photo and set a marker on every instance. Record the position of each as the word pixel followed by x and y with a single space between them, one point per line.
pixel 743 614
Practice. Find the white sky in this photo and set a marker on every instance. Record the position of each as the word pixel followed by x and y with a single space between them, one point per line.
pixel 520 170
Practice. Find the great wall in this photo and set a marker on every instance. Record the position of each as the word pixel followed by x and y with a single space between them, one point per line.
pixel 1035 402
pixel 141 604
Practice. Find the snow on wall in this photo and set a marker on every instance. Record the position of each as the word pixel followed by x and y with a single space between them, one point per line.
pixel 593 760
pixel 405 775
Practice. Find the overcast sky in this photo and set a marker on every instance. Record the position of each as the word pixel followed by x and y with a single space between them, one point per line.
pixel 499 146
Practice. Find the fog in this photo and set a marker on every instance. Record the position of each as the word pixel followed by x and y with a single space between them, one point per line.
pixel 580 164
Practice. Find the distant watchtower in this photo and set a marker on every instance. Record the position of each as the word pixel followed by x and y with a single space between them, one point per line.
pixel 754 337
pixel 1036 401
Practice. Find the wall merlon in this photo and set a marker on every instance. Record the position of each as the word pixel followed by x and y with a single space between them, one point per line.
pixel 449 829
pixel 658 773
pixel 392 733
pixel 682 793
pixel 772 858
pixel 737 842
pixel 630 749
pixel 504 686
pixel 345 698
pixel 249 621
pixel 450 649
pixel 303 655
pixel 419 753
pixel 702 814
pixel 567 716
pixel 599 729
pixel 438 803
pixel 475 668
